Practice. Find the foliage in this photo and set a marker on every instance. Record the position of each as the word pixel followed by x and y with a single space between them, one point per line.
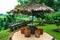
pixel 52 17
pixel 23 1
pixel 10 17
pixel 57 19
pixel 57 16
pixel 47 18
pixel 4 35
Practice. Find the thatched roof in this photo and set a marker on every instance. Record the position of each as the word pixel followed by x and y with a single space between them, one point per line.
pixel 14 11
pixel 34 6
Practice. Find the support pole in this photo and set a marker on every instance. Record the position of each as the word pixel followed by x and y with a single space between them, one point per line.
pixel 32 17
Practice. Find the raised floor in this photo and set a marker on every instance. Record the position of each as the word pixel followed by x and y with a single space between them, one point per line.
pixel 18 36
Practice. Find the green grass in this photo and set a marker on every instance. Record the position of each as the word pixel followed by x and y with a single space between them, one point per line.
pixel 4 35
pixel 49 29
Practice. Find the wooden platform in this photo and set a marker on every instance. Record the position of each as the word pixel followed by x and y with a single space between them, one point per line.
pixel 19 36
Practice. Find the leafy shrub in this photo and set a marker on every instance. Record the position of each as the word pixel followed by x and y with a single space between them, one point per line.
pixel 50 18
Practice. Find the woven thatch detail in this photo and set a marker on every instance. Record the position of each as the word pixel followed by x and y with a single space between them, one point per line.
pixel 35 7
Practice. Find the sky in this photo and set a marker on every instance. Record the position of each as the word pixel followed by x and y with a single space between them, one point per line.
pixel 7 5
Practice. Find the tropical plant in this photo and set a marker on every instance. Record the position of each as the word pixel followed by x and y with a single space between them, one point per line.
pixel 10 17
pixel 57 19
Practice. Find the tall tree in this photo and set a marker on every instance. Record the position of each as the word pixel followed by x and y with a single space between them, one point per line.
pixel 23 1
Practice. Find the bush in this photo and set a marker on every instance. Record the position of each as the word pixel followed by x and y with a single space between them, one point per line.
pixel 4 35
pixel 50 18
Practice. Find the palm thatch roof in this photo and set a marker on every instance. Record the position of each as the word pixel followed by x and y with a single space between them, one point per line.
pixel 33 6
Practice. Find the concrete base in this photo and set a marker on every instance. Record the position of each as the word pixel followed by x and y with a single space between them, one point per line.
pixel 19 36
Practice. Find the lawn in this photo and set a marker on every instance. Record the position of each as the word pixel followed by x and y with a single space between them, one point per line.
pixel 49 29
pixel 4 35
